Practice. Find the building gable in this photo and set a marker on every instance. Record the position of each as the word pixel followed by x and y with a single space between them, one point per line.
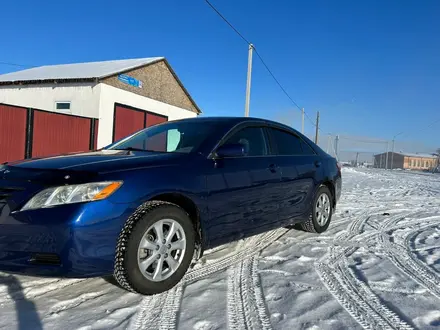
pixel 159 82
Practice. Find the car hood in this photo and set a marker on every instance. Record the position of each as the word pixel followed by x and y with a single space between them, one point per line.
pixel 102 161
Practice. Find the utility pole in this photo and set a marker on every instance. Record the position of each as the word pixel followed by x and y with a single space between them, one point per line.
pixel 248 82
pixel 392 155
pixel 386 159
pixel 392 148
pixel 337 146
pixel 328 142
pixel 357 159
pixel 317 128
pixel 302 120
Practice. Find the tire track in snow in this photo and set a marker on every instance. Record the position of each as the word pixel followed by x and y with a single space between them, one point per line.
pixel 347 301
pixel 345 237
pixel 249 249
pixel 245 302
pixel 426 248
pixel 405 261
pixel 353 294
pixel 159 311
pixel 155 311
pixel 168 318
pixel 384 287
pixel 72 303
pixel 369 297
pixel 357 299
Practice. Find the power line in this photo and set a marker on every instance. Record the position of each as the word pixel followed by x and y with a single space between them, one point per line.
pixel 276 80
pixel 342 137
pixel 261 59
pixel 227 22
pixel 430 125
pixel 310 119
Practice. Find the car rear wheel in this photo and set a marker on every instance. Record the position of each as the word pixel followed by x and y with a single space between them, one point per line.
pixel 322 211
pixel 155 248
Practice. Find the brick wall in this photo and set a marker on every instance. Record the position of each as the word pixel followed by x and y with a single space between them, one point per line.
pixel 420 163
pixel 158 83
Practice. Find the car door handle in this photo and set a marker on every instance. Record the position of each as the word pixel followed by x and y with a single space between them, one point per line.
pixel 272 168
pixel 317 163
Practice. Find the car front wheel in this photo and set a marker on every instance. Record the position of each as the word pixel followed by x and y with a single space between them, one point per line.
pixel 322 211
pixel 155 248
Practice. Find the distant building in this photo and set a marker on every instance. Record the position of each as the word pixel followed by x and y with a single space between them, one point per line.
pixel 406 161
pixel 77 107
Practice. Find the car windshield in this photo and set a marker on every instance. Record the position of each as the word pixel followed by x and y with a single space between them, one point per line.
pixel 179 137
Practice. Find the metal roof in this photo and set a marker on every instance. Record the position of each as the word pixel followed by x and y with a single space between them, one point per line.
pixel 409 154
pixel 424 155
pixel 90 70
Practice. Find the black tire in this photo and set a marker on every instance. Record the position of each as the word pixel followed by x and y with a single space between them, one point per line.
pixel 126 271
pixel 312 225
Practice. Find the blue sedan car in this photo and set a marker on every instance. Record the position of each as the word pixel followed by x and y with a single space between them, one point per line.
pixel 145 207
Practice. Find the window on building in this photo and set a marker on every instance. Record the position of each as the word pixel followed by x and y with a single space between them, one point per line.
pixel 426 164
pixel 62 106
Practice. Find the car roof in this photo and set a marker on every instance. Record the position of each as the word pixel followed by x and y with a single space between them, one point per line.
pixel 230 120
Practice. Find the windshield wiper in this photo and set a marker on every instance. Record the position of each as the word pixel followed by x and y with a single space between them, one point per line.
pixel 132 149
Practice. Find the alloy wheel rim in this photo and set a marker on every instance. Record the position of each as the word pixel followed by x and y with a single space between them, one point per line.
pixel 161 250
pixel 322 209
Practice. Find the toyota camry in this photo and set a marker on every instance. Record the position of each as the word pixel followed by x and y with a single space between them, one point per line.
pixel 144 208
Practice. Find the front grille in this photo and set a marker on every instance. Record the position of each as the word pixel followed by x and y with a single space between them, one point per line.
pixel 6 192
pixel 45 259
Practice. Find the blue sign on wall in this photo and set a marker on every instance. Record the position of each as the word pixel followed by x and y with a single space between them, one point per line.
pixel 130 80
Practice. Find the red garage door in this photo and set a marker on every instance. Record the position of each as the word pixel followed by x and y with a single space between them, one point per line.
pixel 153 119
pixel 158 142
pixel 12 133
pixel 95 138
pixel 57 133
pixel 127 121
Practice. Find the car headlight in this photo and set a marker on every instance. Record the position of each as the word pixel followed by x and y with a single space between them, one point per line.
pixel 72 194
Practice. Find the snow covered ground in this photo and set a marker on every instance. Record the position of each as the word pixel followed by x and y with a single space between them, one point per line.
pixel 377 267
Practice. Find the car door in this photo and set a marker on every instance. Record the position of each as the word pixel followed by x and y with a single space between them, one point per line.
pixel 300 171
pixel 243 195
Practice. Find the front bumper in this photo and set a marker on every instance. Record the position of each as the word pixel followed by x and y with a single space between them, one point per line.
pixel 76 240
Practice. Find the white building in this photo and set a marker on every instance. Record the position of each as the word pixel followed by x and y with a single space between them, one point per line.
pixel 124 95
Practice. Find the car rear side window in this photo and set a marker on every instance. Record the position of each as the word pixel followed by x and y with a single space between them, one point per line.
pixel 288 144
pixel 307 150
pixel 253 138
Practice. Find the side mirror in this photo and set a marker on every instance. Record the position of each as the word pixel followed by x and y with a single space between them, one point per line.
pixel 232 150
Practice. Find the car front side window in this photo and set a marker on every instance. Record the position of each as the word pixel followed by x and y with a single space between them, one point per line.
pixel 252 138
